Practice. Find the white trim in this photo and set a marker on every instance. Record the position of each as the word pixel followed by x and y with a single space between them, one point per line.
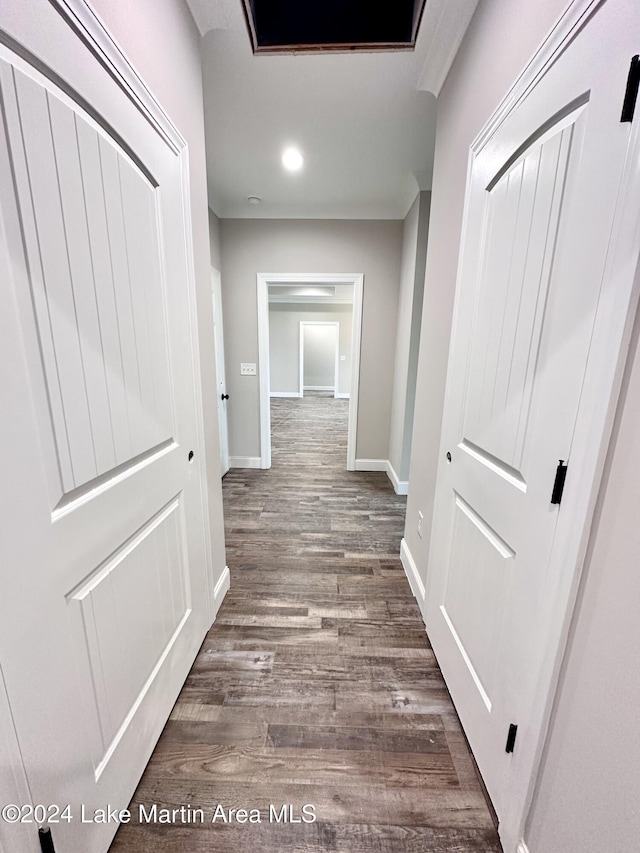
pixel 372 465
pixel 342 395
pixel 564 31
pixel 197 373
pixel 603 376
pixel 245 462
pixel 413 576
pixel 101 43
pixel 221 373
pixel 400 487
pixel 319 388
pixel 263 281
pixel 288 394
pixel 443 29
pixel 220 590
pixel 356 336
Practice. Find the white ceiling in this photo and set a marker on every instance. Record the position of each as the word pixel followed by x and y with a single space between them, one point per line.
pixel 365 127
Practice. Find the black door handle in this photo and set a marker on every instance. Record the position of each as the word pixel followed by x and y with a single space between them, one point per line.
pixel 224 396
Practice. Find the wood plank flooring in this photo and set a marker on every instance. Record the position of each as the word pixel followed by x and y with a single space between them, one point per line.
pixel 316 684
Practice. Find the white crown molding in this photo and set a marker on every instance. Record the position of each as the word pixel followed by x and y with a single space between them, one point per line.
pixel 210 15
pixel 443 27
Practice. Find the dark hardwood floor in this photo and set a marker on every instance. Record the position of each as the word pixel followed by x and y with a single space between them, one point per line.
pixel 316 684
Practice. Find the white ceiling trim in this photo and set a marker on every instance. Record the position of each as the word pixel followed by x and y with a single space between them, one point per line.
pixel 209 15
pixel 443 27
pixel 312 300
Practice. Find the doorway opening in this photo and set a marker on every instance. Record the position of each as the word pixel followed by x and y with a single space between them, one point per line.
pixel 320 357
pixel 289 305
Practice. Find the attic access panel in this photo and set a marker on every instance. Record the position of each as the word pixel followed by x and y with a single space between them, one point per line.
pixel 285 26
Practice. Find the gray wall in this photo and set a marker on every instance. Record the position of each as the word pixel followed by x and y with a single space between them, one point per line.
pixel 372 247
pixel 587 797
pixel 414 250
pixel 150 32
pixel 284 342
pixel 501 39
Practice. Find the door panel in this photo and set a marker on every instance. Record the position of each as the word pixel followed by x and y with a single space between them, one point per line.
pixel 105 599
pixel 522 216
pixel 541 201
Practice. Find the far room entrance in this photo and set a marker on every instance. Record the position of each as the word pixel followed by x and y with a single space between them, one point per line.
pixel 309 332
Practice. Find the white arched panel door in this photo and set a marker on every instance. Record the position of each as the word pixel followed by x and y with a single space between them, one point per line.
pixel 541 311
pixel 105 586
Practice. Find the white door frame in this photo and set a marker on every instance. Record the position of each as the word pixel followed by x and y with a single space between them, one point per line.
pixel 266 280
pixel 603 377
pixel 221 380
pixel 336 360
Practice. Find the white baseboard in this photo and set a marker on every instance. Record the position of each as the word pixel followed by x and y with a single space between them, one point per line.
pixel 411 571
pixel 220 590
pixel 371 465
pixel 287 394
pixel 319 388
pixel 341 395
pixel 245 462
pixel 400 487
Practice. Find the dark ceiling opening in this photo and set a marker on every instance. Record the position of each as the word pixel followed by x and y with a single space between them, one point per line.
pixel 278 26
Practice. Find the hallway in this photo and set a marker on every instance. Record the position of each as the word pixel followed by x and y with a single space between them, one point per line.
pixel 316 684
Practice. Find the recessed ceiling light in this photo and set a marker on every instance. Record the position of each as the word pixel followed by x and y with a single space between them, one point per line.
pixel 292 159
pixel 254 199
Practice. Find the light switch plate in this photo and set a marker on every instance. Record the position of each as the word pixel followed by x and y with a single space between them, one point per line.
pixel 247 369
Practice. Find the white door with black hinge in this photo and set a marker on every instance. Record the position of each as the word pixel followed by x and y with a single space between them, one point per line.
pixel 541 201
pixel 105 586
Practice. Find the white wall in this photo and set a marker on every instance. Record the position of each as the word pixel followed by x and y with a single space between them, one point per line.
pixel 150 31
pixel 501 39
pixel 372 247
pixel 284 342
pixel 414 250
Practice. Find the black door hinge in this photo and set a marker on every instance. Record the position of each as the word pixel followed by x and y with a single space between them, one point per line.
pixel 511 738
pixel 558 486
pixel 46 840
pixel 631 92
